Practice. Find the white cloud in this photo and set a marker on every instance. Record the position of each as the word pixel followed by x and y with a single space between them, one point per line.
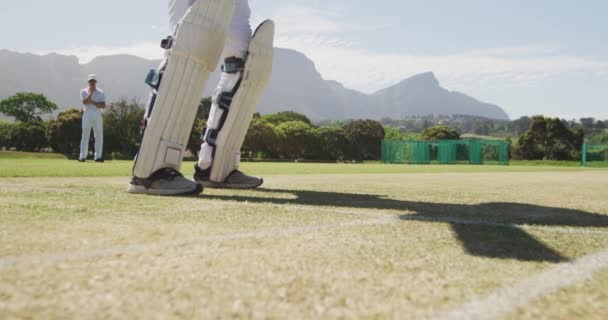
pixel 318 34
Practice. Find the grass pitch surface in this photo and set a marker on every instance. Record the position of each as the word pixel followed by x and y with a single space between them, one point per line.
pixel 366 241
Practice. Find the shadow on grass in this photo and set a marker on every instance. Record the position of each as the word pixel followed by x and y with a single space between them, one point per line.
pixel 485 239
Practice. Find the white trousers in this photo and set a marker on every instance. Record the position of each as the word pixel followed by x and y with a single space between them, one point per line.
pixel 92 120
pixel 239 33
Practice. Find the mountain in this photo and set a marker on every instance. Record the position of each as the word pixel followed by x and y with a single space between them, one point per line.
pixel 295 85
pixel 422 94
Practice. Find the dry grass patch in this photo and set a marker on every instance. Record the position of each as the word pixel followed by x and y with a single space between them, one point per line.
pixel 305 246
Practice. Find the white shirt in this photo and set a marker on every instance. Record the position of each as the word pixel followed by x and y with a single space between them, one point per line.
pixel 98 96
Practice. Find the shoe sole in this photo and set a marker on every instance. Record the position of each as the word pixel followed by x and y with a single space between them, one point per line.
pixel 217 185
pixel 134 189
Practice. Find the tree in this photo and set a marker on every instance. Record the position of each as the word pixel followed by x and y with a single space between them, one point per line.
pixel 364 139
pixel 440 132
pixel 261 138
pixel 296 138
pixel 27 106
pixel 122 128
pixel 528 148
pixel 64 132
pixel 588 124
pixel 393 133
pixel 29 136
pixel 5 134
pixel 550 139
pixel 332 142
pixel 286 116
pixel 520 126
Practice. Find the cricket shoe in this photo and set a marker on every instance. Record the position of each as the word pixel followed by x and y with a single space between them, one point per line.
pixel 235 180
pixel 165 182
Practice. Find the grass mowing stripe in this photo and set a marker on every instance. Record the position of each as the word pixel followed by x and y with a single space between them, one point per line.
pixel 508 299
pixel 120 250
pixel 6 263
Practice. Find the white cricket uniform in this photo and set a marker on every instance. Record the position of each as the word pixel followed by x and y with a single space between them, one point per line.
pixel 92 119
pixel 239 33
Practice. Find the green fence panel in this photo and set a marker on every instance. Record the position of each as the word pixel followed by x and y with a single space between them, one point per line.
pixel 420 152
pixel 475 152
pixel 594 155
pixel 393 151
pixel 503 157
pixel 446 152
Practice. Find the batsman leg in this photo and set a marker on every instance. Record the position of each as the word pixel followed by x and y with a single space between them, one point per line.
pixel 192 54
pixel 242 84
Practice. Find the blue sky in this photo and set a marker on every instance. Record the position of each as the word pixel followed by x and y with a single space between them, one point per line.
pixel 530 57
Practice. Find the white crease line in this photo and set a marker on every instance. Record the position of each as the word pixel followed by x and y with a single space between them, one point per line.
pixel 506 300
pixel 9 262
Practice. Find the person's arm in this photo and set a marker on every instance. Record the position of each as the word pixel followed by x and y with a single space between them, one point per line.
pixel 88 99
pixel 102 103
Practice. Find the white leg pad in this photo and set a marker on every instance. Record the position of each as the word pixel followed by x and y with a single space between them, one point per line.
pixel 258 69
pixel 196 50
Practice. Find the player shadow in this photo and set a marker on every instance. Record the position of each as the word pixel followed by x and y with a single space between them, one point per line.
pixel 495 236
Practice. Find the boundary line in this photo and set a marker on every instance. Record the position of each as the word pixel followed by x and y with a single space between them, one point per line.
pixel 507 300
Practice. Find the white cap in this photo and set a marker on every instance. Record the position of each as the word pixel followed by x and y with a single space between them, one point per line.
pixel 92 77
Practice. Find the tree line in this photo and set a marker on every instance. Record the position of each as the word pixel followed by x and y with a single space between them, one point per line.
pixel 594 129
pixel 285 135
pixel 292 136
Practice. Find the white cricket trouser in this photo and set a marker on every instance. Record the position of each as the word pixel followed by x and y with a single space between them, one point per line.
pixel 92 120
pixel 239 33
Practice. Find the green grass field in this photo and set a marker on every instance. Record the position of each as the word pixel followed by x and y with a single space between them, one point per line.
pixel 317 241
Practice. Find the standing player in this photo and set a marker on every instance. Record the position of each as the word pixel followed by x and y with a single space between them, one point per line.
pixel 94 102
pixel 203 29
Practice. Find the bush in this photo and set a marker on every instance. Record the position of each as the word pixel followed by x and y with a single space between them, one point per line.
pixel 332 142
pixel 29 136
pixel 296 139
pixel 5 134
pixel 286 116
pixel 440 133
pixel 64 132
pixel 364 139
pixel 122 128
pixel 261 139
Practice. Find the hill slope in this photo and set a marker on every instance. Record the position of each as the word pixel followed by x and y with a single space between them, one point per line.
pixel 295 85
